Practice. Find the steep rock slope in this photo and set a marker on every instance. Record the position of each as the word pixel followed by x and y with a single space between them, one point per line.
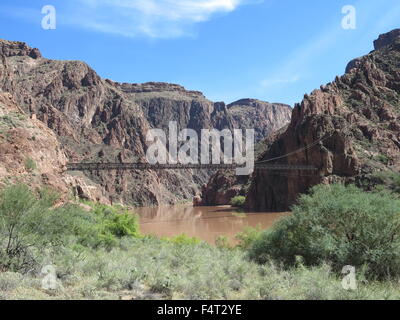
pixel 98 120
pixel 349 130
pixel 225 184
pixel 262 116
pixel 30 153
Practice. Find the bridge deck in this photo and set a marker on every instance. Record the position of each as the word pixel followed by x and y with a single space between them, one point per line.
pixel 147 166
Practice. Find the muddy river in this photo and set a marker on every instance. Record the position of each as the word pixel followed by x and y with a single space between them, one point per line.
pixel 206 223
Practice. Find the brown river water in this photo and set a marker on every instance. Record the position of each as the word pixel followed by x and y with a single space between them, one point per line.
pixel 206 223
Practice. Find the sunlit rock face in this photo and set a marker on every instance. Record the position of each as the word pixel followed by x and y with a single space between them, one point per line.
pixel 98 120
pixel 355 122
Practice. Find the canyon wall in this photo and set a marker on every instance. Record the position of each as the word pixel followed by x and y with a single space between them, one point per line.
pixel 348 129
pixel 99 120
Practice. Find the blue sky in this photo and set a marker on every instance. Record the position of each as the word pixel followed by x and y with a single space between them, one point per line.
pixel 273 50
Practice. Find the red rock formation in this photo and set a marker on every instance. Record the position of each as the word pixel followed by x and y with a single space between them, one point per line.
pixel 99 120
pixel 30 153
pixel 261 116
pixel 345 130
pixel 222 187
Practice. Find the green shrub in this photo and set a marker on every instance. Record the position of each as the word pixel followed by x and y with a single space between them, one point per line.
pixel 29 225
pixel 382 158
pixel 341 226
pixel 163 286
pixel 183 239
pixel 103 210
pixel 396 183
pixel 248 237
pixel 18 210
pixel 70 224
pixel 382 180
pixel 238 201
pixel 122 225
pixel 30 164
pixel 222 242
pixel 9 281
pixel 113 223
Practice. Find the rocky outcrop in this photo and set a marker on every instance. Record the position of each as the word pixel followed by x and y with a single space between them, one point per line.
pixel 262 116
pixel 30 153
pixel 266 119
pixel 224 185
pixel 347 130
pixel 387 39
pixel 98 120
pixel 15 48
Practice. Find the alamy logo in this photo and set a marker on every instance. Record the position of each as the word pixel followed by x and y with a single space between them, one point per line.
pixel 349 21
pixel 49 21
pixel 213 147
pixel 349 281
pixel 49 281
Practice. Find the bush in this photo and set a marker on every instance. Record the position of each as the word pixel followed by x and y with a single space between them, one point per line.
pixel 386 180
pixel 30 164
pixel 18 210
pixel 248 237
pixel 114 222
pixel 29 224
pixel 382 158
pixel 9 281
pixel 222 242
pixel 339 225
pixel 238 201
pixel 183 239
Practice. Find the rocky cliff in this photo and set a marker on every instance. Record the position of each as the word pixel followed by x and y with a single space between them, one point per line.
pixel 98 120
pixel 31 154
pixel 348 130
pixel 225 184
pixel 262 116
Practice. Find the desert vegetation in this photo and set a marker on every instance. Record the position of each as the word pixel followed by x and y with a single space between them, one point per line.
pixel 340 225
pixel 99 253
pixel 238 201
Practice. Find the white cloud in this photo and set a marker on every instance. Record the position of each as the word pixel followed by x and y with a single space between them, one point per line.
pixel 151 18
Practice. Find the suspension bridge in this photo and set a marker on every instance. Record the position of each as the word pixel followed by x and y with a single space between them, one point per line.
pixel 146 166
pixel 259 165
